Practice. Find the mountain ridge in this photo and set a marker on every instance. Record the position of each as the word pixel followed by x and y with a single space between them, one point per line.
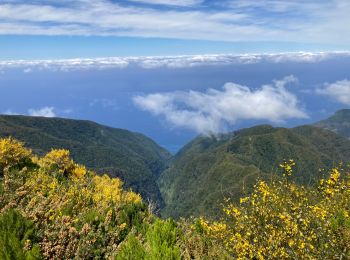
pixel 339 122
pixel 209 169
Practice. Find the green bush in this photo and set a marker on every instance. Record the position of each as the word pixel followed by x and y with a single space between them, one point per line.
pixel 131 249
pixel 160 242
pixel 17 237
pixel 162 237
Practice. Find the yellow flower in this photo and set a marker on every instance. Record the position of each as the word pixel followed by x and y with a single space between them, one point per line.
pixel 122 226
pixel 288 167
pixel 291 242
pixel 243 200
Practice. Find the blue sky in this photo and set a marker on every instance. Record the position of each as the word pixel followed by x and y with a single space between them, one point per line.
pixel 173 69
pixel 34 29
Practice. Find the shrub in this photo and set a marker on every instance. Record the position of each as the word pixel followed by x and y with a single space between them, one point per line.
pixel 162 238
pixel 79 214
pixel 17 237
pixel 12 152
pixel 282 220
pixel 131 249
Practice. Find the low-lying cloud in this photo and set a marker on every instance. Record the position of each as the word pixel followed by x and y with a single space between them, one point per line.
pixel 44 112
pixel 339 91
pixel 215 110
pixel 171 62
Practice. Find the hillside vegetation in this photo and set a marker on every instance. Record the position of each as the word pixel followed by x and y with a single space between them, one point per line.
pixel 338 123
pixel 54 208
pixel 209 169
pixel 132 157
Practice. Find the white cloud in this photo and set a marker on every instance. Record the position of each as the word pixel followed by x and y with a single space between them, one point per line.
pixel 120 20
pixel 170 2
pixel 44 112
pixel 277 6
pixel 314 22
pixel 185 61
pixel 215 110
pixel 339 91
pixel 66 64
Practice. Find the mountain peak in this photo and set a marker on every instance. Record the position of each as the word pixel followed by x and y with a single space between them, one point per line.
pixel 342 114
pixel 339 123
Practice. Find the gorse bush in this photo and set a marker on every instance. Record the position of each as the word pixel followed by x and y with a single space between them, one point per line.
pixel 53 208
pixel 78 214
pixel 281 220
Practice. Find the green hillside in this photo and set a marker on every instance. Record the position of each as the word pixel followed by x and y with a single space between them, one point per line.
pixel 133 157
pixel 209 169
pixel 338 123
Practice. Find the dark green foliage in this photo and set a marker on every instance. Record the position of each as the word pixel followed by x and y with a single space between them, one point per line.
pixel 133 215
pixel 2 192
pixel 211 168
pixel 133 157
pixel 17 237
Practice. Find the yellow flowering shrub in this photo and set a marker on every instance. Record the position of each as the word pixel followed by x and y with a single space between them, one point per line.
pixel 109 190
pixel 12 152
pixel 79 172
pixel 282 220
pixel 77 211
pixel 58 160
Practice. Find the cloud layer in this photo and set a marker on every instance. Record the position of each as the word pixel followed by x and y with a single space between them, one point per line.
pixel 215 110
pixel 170 2
pixel 186 61
pixel 339 91
pixel 228 20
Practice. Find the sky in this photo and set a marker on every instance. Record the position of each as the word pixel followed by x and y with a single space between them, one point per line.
pixel 173 69
pixel 37 29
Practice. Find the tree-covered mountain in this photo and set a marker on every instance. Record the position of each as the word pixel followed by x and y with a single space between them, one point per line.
pixel 209 169
pixel 133 157
pixel 204 172
pixel 338 123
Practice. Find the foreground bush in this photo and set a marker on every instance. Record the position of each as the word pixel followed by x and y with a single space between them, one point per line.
pixel 17 237
pixel 282 220
pixel 78 214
